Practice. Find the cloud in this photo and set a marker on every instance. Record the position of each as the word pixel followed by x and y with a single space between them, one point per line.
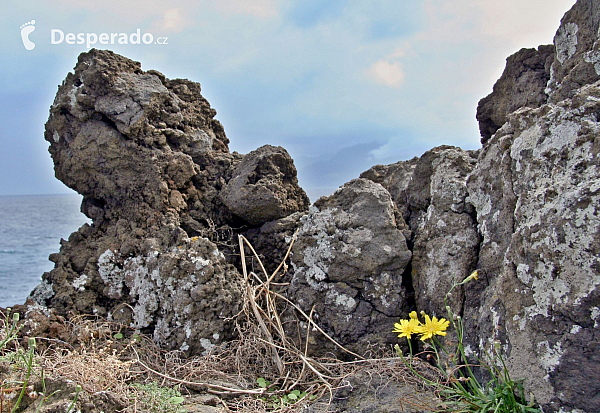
pixel 301 73
pixel 139 10
pixel 261 9
pixel 515 23
pixel 387 73
pixel 172 21
pixel 511 20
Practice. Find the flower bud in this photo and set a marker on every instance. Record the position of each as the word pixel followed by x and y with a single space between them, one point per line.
pixel 473 276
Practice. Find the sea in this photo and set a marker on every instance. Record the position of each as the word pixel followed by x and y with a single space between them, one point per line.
pixel 31 227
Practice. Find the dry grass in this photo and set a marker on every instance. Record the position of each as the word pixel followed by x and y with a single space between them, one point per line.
pixel 102 356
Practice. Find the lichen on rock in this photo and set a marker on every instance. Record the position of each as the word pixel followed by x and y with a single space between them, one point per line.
pixel 166 199
pixel 151 162
pixel 348 264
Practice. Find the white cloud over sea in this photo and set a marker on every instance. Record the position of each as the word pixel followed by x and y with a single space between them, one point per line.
pixel 342 85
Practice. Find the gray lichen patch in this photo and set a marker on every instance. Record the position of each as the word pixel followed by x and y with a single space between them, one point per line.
pixel 565 41
pixel 348 263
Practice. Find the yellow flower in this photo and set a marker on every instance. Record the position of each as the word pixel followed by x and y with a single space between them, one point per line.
pixel 406 328
pixel 432 327
pixel 473 275
pixel 413 315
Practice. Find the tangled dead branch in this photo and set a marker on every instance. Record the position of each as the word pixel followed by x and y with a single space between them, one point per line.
pixel 257 372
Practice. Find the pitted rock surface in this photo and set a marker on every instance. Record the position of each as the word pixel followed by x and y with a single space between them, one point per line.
pixel 348 264
pixel 577 57
pixel 155 172
pixel 432 193
pixel 264 187
pixel 541 247
pixel 151 161
pixel 522 83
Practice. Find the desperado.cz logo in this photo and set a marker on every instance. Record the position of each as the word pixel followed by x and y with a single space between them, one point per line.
pixel 57 36
pixel 26 30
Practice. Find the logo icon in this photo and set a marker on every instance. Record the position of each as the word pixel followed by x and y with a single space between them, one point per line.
pixel 26 30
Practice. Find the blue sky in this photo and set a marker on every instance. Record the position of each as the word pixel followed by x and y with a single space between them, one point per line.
pixel 342 85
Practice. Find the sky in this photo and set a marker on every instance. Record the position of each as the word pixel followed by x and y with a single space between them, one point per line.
pixel 342 85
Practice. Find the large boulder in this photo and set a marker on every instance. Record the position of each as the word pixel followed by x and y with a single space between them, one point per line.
pixel 577 57
pixel 349 262
pixel 445 242
pixel 264 187
pixel 536 190
pixel 522 83
pixel 524 211
pixel 151 162
pixel 432 193
pixel 536 193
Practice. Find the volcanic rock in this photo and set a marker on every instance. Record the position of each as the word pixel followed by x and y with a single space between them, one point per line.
pixel 348 263
pixel 522 83
pixel 264 187
pixel 166 198
pixel 151 162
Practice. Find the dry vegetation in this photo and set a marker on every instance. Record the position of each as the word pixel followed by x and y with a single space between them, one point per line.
pixel 105 365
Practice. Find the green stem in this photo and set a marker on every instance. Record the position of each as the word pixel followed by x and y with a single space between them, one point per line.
pixel 29 363
pixel 409 365
pixel 10 335
pixel 77 391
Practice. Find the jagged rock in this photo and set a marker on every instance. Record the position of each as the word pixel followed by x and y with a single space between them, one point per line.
pixel 136 144
pixel 264 187
pixel 432 192
pixel 536 192
pixel 577 58
pixel 536 189
pixel 552 73
pixel 446 242
pixel 272 240
pixel 155 171
pixel 395 179
pixel 348 263
pixel 151 162
pixel 522 83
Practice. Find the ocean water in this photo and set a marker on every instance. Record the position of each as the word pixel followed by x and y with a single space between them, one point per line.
pixel 31 227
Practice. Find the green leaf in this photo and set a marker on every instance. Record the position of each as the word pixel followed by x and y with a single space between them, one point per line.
pixel 176 400
pixel 292 396
pixel 262 382
pixel 118 336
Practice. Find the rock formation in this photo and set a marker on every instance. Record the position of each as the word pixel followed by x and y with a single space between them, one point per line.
pixel 164 192
pixel 522 83
pixel 530 219
pixel 157 178
pixel 536 192
pixel 348 264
